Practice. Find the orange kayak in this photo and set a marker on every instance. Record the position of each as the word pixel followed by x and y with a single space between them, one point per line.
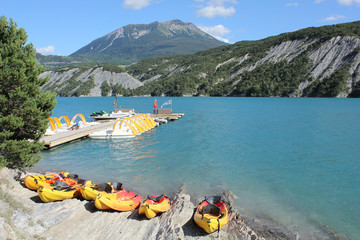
pixel 120 201
pixel 90 191
pixel 61 190
pixel 154 205
pixel 33 182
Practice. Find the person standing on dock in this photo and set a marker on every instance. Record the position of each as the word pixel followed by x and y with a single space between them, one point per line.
pixel 155 106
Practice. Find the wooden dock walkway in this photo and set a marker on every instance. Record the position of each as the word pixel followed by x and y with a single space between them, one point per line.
pixel 107 122
pixel 68 136
pixel 171 116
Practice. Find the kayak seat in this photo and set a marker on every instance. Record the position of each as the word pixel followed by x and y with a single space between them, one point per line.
pixel 73 176
pixel 59 185
pixel 211 209
pixel 156 199
pixel 101 186
pixel 108 188
pixel 79 180
pixel 117 186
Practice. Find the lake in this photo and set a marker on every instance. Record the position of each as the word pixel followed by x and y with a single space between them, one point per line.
pixel 293 160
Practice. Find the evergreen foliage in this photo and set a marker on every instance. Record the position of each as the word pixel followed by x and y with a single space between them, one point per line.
pixel 330 86
pixel 25 109
pixel 68 87
pixel 85 88
pixel 280 79
pixel 105 88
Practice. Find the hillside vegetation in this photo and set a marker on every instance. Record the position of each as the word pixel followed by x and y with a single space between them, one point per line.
pixel 312 62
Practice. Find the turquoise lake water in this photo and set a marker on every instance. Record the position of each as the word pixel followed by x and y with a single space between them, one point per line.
pixel 294 160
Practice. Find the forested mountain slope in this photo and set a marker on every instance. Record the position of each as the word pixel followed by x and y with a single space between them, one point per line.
pixel 312 62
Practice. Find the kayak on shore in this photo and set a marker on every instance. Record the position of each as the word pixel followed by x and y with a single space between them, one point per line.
pixel 90 191
pixel 211 214
pixel 33 182
pixel 121 201
pixel 154 205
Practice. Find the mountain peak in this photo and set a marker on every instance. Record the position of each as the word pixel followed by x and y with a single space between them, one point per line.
pixel 138 41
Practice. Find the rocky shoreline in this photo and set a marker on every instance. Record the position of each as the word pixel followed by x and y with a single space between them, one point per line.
pixel 24 216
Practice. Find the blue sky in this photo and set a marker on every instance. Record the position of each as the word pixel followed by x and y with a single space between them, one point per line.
pixel 62 27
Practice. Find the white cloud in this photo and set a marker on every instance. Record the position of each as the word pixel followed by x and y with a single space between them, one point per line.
pixel 349 2
pixel 319 1
pixel 217 31
pixel 216 8
pixel 295 4
pixel 221 2
pixel 212 11
pixel 136 4
pixel 46 50
pixel 333 18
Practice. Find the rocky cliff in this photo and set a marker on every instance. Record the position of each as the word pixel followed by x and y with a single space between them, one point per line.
pixel 76 78
pixel 326 59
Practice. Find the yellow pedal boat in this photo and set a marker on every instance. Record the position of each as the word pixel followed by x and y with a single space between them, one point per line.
pixel 211 214
pixel 154 205
pixel 90 191
pixel 121 201
pixel 33 182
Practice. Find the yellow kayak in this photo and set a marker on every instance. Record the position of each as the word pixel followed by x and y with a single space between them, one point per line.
pixel 211 214
pixel 51 194
pixel 154 205
pixel 33 182
pixel 62 190
pixel 90 191
pixel 121 201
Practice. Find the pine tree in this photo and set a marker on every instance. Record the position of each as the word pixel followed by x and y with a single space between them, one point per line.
pixel 24 107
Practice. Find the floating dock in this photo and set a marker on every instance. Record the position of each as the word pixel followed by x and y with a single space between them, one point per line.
pixel 170 116
pixel 69 136
pixel 104 122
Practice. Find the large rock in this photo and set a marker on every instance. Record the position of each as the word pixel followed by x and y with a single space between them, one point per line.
pixel 60 79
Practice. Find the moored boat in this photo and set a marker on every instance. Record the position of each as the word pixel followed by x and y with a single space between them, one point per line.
pixel 121 201
pixel 154 205
pixel 211 214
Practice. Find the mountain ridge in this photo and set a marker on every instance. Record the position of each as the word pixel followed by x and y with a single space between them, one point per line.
pixel 312 62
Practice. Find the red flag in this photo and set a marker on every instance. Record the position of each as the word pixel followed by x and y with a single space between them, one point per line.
pixel 155 103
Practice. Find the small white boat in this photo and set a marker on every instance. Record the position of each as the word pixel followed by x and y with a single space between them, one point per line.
pixel 117 114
